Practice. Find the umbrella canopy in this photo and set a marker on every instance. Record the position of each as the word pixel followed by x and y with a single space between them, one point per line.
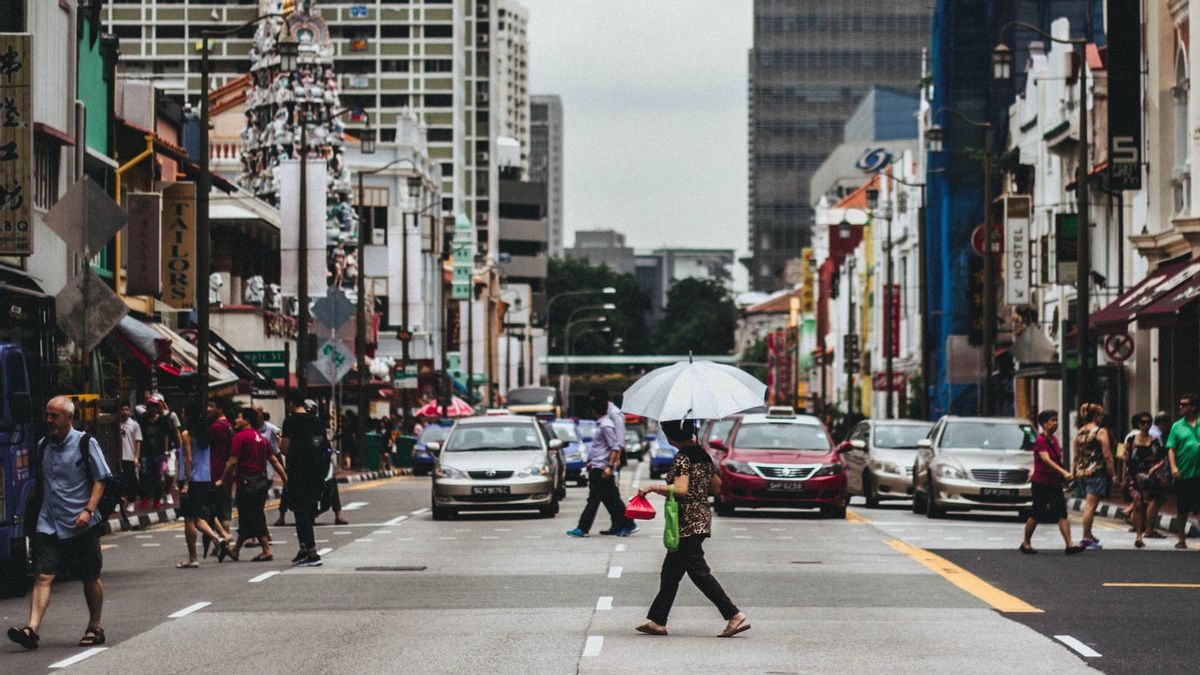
pixel 693 390
pixel 457 408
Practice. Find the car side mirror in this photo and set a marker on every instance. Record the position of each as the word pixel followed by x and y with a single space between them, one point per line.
pixel 716 444
pixel 434 448
pixel 20 407
pixel 556 444
pixel 924 444
pixel 858 444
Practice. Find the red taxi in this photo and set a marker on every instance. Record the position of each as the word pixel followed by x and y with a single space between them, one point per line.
pixel 776 460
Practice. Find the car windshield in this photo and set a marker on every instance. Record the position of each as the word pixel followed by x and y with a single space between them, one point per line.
pixel 434 434
pixel 498 436
pixel 631 435
pixel 720 430
pixel 768 436
pixel 531 396
pixel 988 436
pixel 566 433
pixel 587 430
pixel 900 436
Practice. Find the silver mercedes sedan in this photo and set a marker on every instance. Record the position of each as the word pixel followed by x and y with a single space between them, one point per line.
pixel 503 462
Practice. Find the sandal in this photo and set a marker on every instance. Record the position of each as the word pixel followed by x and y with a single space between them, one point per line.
pixel 189 565
pixel 262 558
pixel 650 628
pixel 732 629
pixel 92 637
pixel 1029 550
pixel 1182 546
pixel 24 637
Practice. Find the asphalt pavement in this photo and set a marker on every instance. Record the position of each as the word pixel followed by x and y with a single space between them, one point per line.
pixel 510 593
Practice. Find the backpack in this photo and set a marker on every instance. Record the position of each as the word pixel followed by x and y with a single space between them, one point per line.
pixel 109 496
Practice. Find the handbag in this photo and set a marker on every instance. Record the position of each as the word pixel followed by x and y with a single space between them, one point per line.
pixel 671 521
pixel 255 482
pixel 639 508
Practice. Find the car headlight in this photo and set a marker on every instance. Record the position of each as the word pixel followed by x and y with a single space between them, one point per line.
pixel 535 470
pixel 734 466
pixel 828 470
pixel 449 472
pixel 579 456
pixel 885 467
pixel 949 471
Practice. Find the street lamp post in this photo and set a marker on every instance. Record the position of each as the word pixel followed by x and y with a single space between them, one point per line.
pixel 886 314
pixel 934 139
pixel 288 49
pixel 1002 70
pixel 607 290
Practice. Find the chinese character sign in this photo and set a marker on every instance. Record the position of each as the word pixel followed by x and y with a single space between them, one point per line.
pixel 16 145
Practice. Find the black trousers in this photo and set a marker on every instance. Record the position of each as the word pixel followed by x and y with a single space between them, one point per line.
pixel 304 507
pixel 252 520
pixel 603 490
pixel 688 559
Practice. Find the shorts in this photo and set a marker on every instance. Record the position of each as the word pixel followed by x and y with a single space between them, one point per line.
pixel 1095 485
pixel 1187 496
pixel 1049 503
pixel 220 504
pixel 78 557
pixel 197 501
pixel 171 464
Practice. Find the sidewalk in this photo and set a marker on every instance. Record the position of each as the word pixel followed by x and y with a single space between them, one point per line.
pixel 142 519
pixel 1114 509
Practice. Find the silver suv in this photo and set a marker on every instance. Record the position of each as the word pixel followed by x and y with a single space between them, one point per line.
pixel 974 463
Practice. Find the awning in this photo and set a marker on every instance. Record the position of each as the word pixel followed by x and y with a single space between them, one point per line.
pixel 260 386
pixel 1165 310
pixel 162 349
pixel 1116 316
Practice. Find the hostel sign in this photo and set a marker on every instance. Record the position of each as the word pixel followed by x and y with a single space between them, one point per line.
pixel 179 245
pixel 1016 249
pixel 16 144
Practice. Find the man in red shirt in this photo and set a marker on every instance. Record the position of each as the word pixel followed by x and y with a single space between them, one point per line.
pixel 220 437
pixel 249 456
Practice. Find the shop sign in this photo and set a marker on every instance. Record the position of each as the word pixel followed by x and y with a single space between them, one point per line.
pixel 179 245
pixel 1016 249
pixel 1123 28
pixel 893 296
pixel 464 257
pixel 16 145
pixel 807 285
pixel 143 245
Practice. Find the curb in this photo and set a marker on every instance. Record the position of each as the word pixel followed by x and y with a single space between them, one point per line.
pixel 1115 512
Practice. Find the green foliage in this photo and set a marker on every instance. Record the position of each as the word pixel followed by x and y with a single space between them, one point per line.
pixel 754 360
pixel 700 317
pixel 628 320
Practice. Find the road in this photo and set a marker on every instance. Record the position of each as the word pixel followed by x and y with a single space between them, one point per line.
pixel 508 593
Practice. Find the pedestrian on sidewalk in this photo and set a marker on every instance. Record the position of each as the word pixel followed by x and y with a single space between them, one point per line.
pixel 604 457
pixel 694 477
pixel 1183 447
pixel 1093 465
pixel 1160 430
pixel 70 475
pixel 1049 503
pixel 174 451
pixel 195 488
pixel 248 461
pixel 156 432
pixel 306 450
pixel 1145 459
pixel 131 452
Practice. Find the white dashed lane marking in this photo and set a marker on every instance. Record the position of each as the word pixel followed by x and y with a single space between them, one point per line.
pixel 420 511
pixel 79 657
pixel 619 548
pixel 397 520
pixel 605 602
pixel 614 572
pixel 1084 650
pixel 188 610
pixel 324 551
pixel 263 577
pixel 593 646
pixel 354 506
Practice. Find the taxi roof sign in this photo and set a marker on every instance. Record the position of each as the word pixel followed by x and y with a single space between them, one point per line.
pixel 781 411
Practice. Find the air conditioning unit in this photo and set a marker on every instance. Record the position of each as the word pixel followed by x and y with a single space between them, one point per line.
pixel 483 38
pixel 482 157
pixel 482 9
pixel 482 97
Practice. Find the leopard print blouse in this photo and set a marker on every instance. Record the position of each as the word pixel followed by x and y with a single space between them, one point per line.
pixel 695 518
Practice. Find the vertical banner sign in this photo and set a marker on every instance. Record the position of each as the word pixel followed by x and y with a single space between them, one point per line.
pixel 143 245
pixel 807 287
pixel 893 309
pixel 179 246
pixel 464 257
pixel 16 145
pixel 1016 249
pixel 289 226
pixel 1066 246
pixel 1124 26
pixel 975 300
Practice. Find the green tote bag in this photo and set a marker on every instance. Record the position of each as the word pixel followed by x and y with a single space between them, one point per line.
pixel 671 520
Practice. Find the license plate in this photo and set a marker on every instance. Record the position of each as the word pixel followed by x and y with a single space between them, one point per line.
pixel 786 486
pixel 491 490
pixel 997 492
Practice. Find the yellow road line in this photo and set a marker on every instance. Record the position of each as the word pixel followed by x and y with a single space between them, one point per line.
pixel 1148 585
pixel 998 599
pixel 856 518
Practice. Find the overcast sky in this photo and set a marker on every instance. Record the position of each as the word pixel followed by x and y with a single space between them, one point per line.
pixel 654 110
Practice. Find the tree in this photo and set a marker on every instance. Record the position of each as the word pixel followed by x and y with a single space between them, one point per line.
pixel 754 360
pixel 700 317
pixel 627 321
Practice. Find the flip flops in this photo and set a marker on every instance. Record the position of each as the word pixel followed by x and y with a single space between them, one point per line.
pixel 187 566
pixel 92 637
pixel 650 629
pixel 262 558
pixel 25 637
pixel 732 629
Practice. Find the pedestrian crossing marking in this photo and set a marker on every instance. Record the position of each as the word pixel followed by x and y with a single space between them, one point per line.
pixel 998 599
pixel 614 572
pixel 1118 584
pixel 65 663
pixel 593 645
pixel 354 506
pixel 263 577
pixel 605 602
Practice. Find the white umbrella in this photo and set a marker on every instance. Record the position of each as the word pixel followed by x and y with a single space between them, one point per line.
pixel 693 390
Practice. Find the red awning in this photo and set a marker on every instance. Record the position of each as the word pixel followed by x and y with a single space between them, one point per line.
pixel 1117 315
pixel 1165 310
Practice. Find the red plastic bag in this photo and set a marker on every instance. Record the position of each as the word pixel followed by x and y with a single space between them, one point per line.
pixel 639 509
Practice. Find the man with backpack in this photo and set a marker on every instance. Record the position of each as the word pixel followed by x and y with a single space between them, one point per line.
pixel 307 456
pixel 71 477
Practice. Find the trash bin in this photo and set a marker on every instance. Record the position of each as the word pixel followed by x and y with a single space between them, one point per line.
pixel 404 451
pixel 372 451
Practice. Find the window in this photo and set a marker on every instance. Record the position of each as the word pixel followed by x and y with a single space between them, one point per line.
pixel 393 31
pixel 128 32
pixel 773 436
pixel 393 101
pixel 1181 173
pixel 168 31
pixel 439 65
pixel 440 135
pixel 447 168
pixel 439 30
pixel 439 100
pixel 46 156
pixel 393 66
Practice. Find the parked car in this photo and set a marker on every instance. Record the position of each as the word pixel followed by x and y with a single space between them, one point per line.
pixel 779 460
pixel 662 453
pixel 498 463
pixel 879 457
pixel 635 444
pixel 974 463
pixel 423 459
pixel 575 451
